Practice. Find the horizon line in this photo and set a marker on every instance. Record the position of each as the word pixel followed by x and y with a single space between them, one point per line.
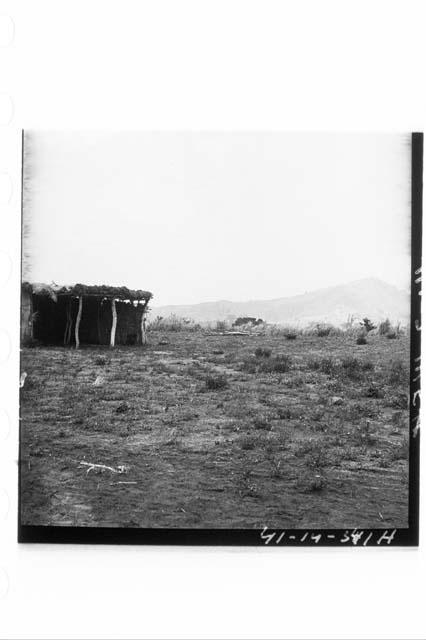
pixel 296 295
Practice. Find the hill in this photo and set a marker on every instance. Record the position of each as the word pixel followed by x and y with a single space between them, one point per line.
pixel 367 297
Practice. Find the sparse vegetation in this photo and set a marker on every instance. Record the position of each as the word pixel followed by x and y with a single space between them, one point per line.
pixel 317 483
pixel 239 322
pixel 399 401
pixel 280 363
pixel 325 365
pixel 384 327
pixel 398 373
pixel 247 416
pixel 173 324
pixel 262 422
pixel 401 450
pixel 246 484
pixel 391 335
pixel 248 442
pixel 290 334
pixel 221 326
pixel 215 383
pixel 323 330
pixel 352 368
pixel 367 325
pixel 263 352
pixel 123 407
pixel 317 458
pixel 314 452
pixel 364 433
pixel 355 369
pixel 373 391
pixel 284 413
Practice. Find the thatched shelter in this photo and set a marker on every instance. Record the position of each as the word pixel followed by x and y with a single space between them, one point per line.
pixel 83 314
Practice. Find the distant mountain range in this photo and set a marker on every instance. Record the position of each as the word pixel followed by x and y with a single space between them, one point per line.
pixel 369 297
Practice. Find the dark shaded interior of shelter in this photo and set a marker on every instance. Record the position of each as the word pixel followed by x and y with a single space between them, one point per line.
pixel 54 322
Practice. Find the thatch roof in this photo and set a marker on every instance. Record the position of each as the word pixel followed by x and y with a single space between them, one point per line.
pixel 100 291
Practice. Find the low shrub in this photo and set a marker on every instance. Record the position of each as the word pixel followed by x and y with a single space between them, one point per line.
pixel 399 401
pixel 384 327
pixel 249 365
pixel 266 364
pixel 281 364
pixel 216 383
pixel 246 485
pixel 391 332
pixel 221 326
pixel 353 412
pixel 284 413
pixel 173 323
pixel 311 482
pixel 401 450
pixel 313 363
pixel 367 325
pixel 323 330
pixel 364 434
pixel 304 447
pixel 373 391
pixel 354 368
pixel 247 443
pixel 317 483
pixel 290 334
pixel 263 352
pixel 247 320
pixel 278 364
pixel 351 368
pixel 280 441
pixel 317 458
pixel 398 373
pixel 262 422
pixel 349 453
pixel 325 365
pixel 361 340
pixel 122 408
pixel 315 453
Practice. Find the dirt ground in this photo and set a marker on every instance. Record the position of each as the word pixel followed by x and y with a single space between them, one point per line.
pixel 216 431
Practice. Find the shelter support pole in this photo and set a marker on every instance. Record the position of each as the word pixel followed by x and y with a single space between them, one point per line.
pixel 114 322
pixel 143 326
pixel 98 320
pixel 30 322
pixel 77 322
pixel 68 326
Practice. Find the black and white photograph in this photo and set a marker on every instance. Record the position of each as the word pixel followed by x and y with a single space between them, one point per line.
pixel 211 231
pixel 217 333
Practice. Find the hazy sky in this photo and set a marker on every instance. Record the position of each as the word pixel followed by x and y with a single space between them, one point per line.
pixel 194 217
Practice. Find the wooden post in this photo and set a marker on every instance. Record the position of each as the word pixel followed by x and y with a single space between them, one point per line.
pixel 98 320
pixel 67 335
pixel 114 322
pixel 66 328
pixel 26 316
pixel 77 322
pixel 143 326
